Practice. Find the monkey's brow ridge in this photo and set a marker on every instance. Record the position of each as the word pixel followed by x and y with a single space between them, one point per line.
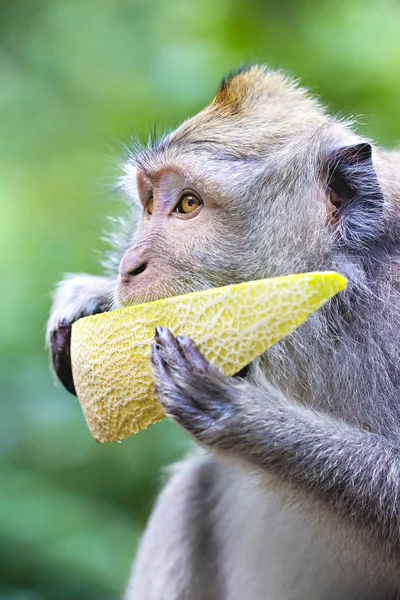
pixel 148 157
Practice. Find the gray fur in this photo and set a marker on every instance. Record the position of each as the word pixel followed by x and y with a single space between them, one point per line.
pixel 80 295
pixel 297 494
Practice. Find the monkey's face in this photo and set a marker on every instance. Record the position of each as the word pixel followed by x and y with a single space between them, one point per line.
pixel 261 183
pixel 188 238
pixel 206 222
pixel 177 216
pixel 213 196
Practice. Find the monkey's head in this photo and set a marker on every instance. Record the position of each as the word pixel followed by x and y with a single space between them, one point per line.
pixel 260 183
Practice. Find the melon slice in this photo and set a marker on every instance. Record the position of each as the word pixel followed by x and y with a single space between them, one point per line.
pixel 231 325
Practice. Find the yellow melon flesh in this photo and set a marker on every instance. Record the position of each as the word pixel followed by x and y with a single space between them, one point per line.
pixel 231 326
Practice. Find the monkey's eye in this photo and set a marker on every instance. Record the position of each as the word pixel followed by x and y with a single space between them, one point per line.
pixel 149 207
pixel 187 204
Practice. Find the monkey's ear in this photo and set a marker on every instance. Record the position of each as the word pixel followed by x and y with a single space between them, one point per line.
pixel 355 194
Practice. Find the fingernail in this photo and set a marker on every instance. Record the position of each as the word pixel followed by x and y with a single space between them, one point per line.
pixel 158 331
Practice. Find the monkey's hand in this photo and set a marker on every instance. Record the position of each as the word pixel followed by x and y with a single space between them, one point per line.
pixel 352 471
pixel 76 296
pixel 192 391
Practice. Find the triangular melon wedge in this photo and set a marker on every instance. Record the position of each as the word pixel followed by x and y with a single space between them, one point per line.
pixel 231 325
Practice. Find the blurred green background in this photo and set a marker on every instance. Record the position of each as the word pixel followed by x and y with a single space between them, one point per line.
pixel 77 79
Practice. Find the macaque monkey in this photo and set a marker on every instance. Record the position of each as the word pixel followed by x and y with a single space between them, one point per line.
pixel 295 492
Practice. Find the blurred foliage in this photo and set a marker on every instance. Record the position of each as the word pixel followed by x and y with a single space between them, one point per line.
pixel 78 77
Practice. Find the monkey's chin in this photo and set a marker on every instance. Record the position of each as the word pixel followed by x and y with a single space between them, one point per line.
pixel 141 295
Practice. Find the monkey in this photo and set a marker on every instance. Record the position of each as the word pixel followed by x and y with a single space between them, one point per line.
pixel 293 487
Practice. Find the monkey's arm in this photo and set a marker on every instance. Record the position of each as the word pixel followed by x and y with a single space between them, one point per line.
pixel 355 472
pixel 76 296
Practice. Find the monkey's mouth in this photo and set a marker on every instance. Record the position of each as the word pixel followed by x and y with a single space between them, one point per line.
pixel 141 292
pixel 243 372
pixel 148 286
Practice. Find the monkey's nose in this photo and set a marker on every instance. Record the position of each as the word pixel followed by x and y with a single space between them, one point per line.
pixel 131 266
pixel 133 271
pixel 137 270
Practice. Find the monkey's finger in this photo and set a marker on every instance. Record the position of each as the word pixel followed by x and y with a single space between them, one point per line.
pixel 158 363
pixel 170 349
pixel 164 336
pixel 192 354
pixel 60 340
pixel 164 382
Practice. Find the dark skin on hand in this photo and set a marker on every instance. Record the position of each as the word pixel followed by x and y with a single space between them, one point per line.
pixel 60 342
